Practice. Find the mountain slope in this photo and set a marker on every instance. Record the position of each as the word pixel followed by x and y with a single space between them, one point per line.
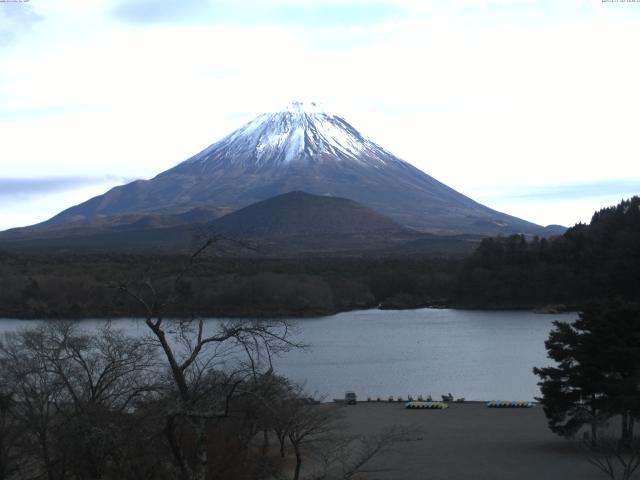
pixel 291 224
pixel 81 227
pixel 302 214
pixel 302 148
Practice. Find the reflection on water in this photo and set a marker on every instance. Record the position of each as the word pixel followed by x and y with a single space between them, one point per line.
pixel 479 355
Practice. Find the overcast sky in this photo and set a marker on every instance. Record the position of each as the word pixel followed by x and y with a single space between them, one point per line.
pixel 528 106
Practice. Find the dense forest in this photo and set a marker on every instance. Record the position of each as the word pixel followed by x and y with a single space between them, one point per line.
pixel 598 260
pixel 595 261
pixel 78 286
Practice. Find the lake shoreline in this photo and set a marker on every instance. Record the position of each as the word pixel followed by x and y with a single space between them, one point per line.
pixel 472 353
pixel 312 313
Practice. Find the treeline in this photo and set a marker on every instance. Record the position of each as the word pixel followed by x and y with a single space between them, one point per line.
pixel 598 260
pixel 81 286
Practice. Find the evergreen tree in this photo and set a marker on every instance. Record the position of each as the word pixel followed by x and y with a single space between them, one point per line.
pixel 573 391
pixel 616 326
pixel 597 374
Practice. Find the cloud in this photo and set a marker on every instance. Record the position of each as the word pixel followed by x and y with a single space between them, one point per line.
pixel 10 188
pixel 16 18
pixel 158 11
pixel 27 113
pixel 585 190
pixel 621 187
pixel 332 15
pixel 252 12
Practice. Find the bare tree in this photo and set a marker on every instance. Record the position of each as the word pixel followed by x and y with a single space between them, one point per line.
pixel 192 351
pixel 368 448
pixel 104 369
pixel 102 375
pixel 280 412
pixel 310 426
pixel 348 457
pixel 35 391
pixel 617 459
pixel 72 392
pixel 10 434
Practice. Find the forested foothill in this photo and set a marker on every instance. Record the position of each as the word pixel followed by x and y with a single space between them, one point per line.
pixel 598 260
pixel 81 286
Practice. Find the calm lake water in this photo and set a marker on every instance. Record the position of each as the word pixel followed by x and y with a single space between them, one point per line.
pixel 479 355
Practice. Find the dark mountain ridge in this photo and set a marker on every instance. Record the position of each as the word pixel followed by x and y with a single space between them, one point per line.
pixel 292 224
pixel 300 213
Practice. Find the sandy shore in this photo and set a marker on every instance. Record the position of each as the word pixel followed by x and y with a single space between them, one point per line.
pixel 470 441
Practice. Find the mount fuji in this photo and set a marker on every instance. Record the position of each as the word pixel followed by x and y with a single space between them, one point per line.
pixel 300 148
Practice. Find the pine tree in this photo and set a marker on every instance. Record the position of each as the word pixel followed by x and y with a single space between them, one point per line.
pixel 597 375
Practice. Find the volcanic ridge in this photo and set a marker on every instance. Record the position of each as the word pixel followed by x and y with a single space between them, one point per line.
pixel 301 148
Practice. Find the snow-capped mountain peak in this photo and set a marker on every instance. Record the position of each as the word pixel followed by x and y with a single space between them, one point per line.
pixel 299 106
pixel 301 147
pixel 301 132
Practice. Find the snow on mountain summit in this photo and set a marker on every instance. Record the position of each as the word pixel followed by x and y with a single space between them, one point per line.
pixel 301 147
pixel 301 132
pixel 298 106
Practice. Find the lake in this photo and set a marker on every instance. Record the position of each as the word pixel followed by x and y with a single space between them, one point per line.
pixel 479 355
